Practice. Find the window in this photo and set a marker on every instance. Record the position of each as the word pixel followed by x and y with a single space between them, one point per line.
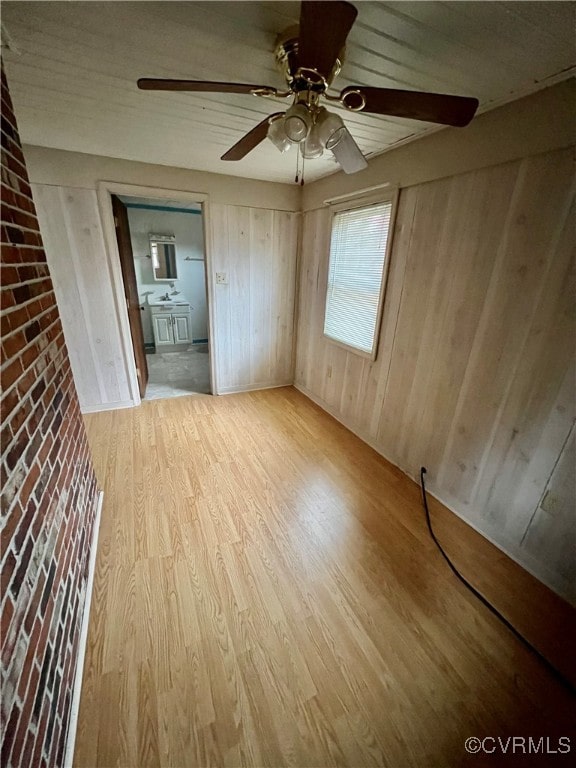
pixel 359 249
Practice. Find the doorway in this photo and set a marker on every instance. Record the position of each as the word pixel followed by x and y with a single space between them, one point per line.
pixel 162 257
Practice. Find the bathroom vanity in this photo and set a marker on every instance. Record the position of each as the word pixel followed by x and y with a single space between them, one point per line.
pixel 171 323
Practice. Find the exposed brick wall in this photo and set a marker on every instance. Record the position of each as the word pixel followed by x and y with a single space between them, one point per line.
pixel 49 492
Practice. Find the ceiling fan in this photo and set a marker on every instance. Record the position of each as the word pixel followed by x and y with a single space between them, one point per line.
pixel 310 56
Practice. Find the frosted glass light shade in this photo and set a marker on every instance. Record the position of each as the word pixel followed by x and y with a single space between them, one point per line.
pixel 312 147
pixel 297 123
pixel 348 154
pixel 330 127
pixel 277 135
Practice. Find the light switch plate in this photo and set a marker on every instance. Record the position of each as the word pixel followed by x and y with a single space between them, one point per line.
pixel 221 278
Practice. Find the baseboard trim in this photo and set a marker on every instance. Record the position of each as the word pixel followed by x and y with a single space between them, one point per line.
pixel 108 406
pixel 252 388
pixel 552 581
pixel 77 690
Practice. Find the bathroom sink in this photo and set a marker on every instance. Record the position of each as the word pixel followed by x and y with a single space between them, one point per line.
pixel 168 303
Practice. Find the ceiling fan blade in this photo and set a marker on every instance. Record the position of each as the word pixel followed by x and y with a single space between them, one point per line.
pixel 417 105
pixel 250 139
pixel 348 154
pixel 324 28
pixel 205 86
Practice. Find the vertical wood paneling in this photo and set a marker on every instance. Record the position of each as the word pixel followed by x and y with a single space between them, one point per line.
pixel 254 309
pixel 552 530
pixel 536 215
pixel 72 231
pixel 474 375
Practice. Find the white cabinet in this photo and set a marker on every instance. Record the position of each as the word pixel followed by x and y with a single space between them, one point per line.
pixel 171 325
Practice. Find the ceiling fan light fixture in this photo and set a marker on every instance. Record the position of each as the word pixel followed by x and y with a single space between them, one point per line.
pixel 330 128
pixel 277 134
pixel 310 55
pixel 297 123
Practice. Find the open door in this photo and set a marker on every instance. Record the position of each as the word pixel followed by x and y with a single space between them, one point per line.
pixel 130 290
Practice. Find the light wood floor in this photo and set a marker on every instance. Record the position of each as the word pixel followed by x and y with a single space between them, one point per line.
pixel 267 594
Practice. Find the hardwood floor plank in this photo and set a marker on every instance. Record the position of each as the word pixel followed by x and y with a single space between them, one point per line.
pixel 267 594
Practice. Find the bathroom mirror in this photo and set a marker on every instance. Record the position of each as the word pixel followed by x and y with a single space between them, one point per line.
pixel 163 255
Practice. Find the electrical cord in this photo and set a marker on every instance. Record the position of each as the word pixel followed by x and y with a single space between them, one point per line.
pixel 557 674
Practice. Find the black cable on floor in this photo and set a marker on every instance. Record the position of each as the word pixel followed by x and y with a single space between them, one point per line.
pixel 557 674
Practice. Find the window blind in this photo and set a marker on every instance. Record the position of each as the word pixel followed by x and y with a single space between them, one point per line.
pixel 355 273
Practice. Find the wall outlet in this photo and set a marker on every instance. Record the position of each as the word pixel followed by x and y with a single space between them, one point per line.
pixel 221 278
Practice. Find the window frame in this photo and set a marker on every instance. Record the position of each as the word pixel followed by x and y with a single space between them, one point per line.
pixel 390 195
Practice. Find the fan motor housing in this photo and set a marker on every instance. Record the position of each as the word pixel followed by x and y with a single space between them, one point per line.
pixel 296 74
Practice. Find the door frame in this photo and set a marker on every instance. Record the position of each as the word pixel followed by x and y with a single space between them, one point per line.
pixel 104 192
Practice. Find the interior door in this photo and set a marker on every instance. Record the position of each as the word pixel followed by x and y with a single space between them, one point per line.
pixel 130 290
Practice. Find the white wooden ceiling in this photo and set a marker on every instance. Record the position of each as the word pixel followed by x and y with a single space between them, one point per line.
pixel 74 67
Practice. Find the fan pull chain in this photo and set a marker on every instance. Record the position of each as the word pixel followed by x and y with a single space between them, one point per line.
pixel 302 177
pixel 297 177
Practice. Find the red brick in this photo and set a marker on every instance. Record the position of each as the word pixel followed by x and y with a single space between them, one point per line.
pixel 20 573
pixel 27 754
pixel 26 382
pixel 8 403
pixel 17 450
pixel 45 449
pixel 48 300
pixel 9 275
pixel 17 318
pixel 20 414
pixel 9 641
pixel 30 676
pixel 11 373
pixel 26 490
pixel 10 734
pixel 19 741
pixel 10 255
pixel 21 218
pixel 57 734
pixel 30 355
pixel 16 166
pixel 25 523
pixel 7 614
pixel 11 524
pixel 42 431
pixel 41 733
pixel 30 624
pixel 8 568
pixel 11 345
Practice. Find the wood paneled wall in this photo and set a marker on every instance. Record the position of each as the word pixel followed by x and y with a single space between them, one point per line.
pixel 474 376
pixel 76 252
pixel 254 310
pixel 253 313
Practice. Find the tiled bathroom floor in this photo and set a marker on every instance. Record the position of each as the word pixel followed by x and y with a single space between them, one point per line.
pixel 172 374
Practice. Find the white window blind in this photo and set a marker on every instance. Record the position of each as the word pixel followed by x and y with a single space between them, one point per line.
pixel 355 274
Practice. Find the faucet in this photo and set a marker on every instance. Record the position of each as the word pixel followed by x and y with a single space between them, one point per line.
pixel 166 297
